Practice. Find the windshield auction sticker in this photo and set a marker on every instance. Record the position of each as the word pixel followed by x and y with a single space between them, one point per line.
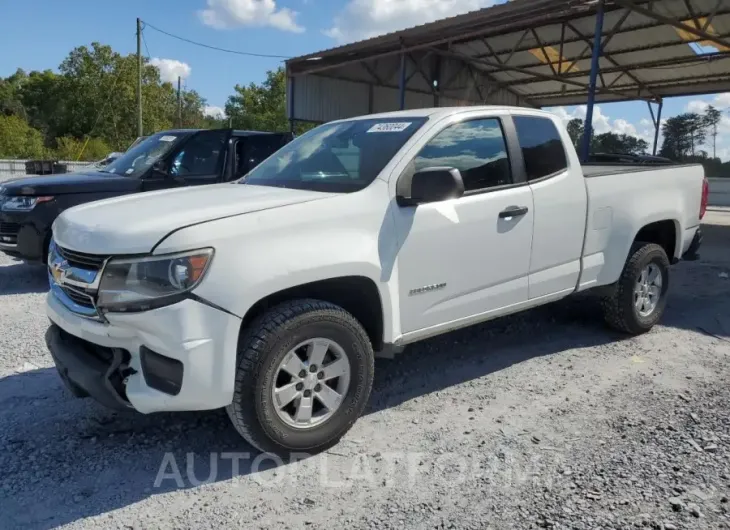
pixel 168 138
pixel 389 127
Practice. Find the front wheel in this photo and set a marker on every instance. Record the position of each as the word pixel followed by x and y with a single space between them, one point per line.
pixel 304 377
pixel 639 297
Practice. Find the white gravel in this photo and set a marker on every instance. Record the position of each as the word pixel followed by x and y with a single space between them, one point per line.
pixel 545 419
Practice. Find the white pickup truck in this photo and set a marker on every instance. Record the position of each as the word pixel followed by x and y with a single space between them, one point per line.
pixel 271 296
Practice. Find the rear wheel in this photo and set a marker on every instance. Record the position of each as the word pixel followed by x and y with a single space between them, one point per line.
pixel 638 299
pixel 304 377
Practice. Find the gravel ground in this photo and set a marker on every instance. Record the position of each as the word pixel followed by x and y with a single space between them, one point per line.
pixel 545 419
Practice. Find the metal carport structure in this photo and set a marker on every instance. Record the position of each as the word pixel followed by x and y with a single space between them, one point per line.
pixel 533 53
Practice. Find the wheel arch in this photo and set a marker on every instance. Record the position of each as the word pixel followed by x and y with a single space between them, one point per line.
pixel 665 232
pixel 358 295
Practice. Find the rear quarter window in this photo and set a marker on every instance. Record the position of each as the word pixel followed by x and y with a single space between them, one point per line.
pixel 542 148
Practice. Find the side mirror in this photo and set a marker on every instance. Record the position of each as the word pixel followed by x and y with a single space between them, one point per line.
pixel 434 184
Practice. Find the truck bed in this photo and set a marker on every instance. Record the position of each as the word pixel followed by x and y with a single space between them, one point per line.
pixel 633 197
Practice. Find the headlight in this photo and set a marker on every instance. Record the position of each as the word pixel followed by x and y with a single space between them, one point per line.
pixel 146 283
pixel 23 203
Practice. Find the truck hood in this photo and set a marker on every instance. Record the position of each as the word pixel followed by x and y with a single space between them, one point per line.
pixel 134 224
pixel 83 182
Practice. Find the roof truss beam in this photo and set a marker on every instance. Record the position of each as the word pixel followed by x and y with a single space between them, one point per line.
pixel 536 75
pixel 645 47
pixel 679 82
pixel 476 84
pixel 626 70
pixel 371 72
pixel 544 52
pixel 677 24
pixel 418 65
pixel 609 37
pixel 589 46
pixel 712 15
pixel 303 67
pixel 606 55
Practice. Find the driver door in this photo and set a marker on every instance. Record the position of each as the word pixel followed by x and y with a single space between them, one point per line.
pixel 464 260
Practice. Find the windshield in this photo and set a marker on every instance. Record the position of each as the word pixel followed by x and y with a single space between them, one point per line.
pixel 140 157
pixel 340 157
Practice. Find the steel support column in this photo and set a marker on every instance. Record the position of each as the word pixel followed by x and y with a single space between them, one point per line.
pixel 402 91
pixel 588 128
pixel 658 124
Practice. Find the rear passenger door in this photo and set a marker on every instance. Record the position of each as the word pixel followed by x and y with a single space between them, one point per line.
pixel 464 259
pixel 559 196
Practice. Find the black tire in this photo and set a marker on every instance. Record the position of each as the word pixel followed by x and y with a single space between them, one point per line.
pixel 261 349
pixel 618 307
pixel 46 248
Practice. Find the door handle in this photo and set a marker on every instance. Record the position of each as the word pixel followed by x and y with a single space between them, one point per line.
pixel 513 211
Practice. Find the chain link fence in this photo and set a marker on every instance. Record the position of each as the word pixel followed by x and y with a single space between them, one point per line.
pixel 11 169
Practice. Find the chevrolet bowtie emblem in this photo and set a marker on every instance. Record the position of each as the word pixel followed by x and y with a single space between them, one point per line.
pixel 59 271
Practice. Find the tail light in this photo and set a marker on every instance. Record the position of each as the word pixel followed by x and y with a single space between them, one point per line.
pixel 705 197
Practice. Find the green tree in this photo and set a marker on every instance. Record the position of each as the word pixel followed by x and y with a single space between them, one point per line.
pixel 20 140
pixel 682 134
pixel 99 96
pixel 260 107
pixel 193 113
pixel 575 130
pixel 697 130
pixel 70 148
pixel 10 93
pixel 611 142
pixel 42 98
pixel 712 119
pixel 94 96
pixel 91 100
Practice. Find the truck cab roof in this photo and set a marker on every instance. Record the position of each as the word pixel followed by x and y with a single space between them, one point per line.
pixel 432 111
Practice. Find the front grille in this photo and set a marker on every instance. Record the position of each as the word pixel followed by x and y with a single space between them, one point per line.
pixel 73 277
pixel 82 259
pixel 79 297
pixel 9 228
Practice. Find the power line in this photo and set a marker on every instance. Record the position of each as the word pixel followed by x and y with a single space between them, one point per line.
pixel 145 46
pixel 215 47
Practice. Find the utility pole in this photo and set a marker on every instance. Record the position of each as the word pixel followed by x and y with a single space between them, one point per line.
pixel 179 104
pixel 139 77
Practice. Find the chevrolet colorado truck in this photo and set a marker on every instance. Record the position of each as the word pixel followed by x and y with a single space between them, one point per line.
pixel 272 295
pixel 168 159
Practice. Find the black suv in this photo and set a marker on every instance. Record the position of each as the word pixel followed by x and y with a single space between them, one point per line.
pixel 168 159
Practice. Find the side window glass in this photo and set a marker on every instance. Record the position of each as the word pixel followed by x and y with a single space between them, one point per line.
pixel 254 149
pixel 200 156
pixel 476 148
pixel 541 145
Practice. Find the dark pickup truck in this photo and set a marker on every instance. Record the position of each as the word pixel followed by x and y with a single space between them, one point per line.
pixel 168 159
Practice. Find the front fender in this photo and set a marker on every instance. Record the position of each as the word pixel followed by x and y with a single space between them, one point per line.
pixel 262 253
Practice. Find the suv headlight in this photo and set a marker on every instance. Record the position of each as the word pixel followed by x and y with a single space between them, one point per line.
pixel 141 284
pixel 23 203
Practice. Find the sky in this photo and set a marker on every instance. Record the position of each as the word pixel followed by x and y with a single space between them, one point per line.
pixel 38 34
